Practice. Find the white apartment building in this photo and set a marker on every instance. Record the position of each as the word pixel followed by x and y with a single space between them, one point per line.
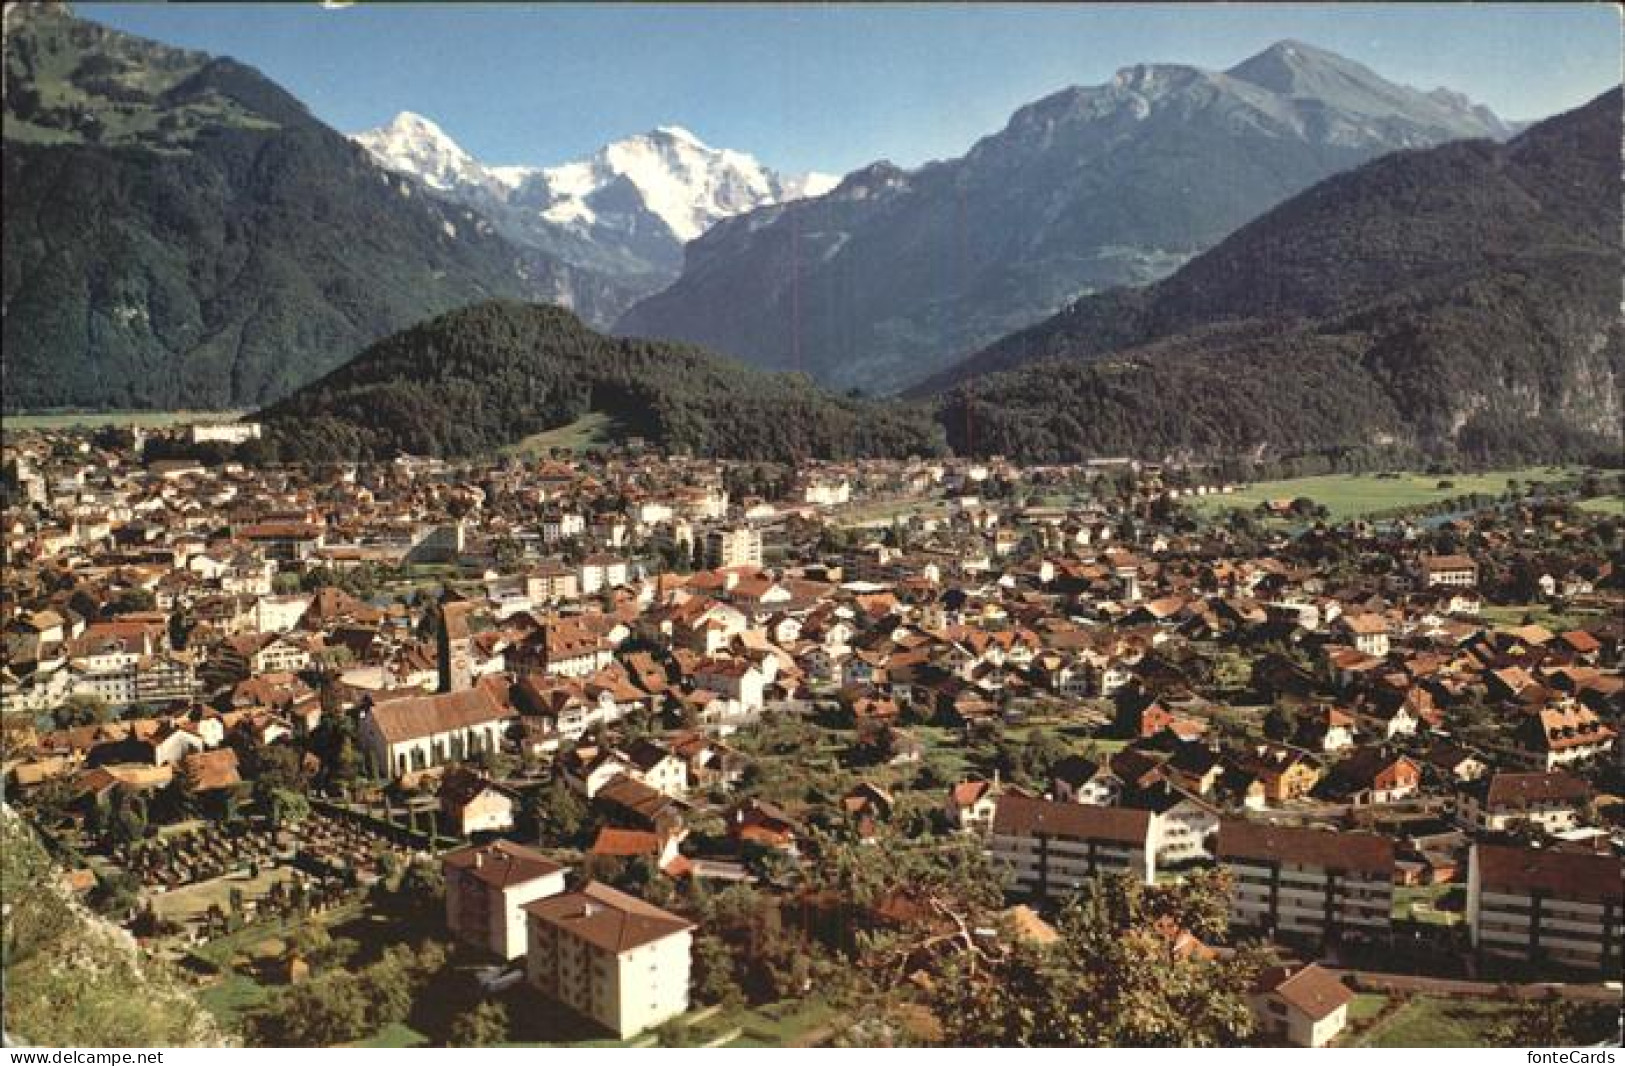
pixel 1544 904
pixel 733 547
pixel 1049 850
pixel 620 961
pixel 487 888
pixel 1316 883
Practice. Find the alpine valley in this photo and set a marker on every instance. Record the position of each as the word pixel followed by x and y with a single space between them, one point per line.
pixel 1292 256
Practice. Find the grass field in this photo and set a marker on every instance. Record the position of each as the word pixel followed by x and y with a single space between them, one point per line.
pixel 594 430
pixel 1428 1021
pixel 184 904
pixel 1613 505
pixel 1352 495
pixel 98 419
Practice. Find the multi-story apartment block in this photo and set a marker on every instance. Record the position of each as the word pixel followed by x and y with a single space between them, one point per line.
pixel 487 888
pixel 1544 904
pixel 1313 883
pixel 1050 849
pixel 620 961
pixel 733 547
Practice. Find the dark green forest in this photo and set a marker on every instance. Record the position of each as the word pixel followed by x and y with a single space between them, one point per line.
pixel 483 377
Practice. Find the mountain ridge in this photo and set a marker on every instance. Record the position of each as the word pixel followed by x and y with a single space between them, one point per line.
pixel 1463 296
pixel 894 274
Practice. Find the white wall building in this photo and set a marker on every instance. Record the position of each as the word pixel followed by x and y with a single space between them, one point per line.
pixel 620 961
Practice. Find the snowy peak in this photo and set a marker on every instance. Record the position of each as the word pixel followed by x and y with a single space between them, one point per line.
pixel 675 177
pixel 688 184
pixel 412 144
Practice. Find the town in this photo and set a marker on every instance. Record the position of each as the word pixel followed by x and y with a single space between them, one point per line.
pixel 620 747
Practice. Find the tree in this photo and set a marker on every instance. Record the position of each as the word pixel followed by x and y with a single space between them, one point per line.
pixel 712 978
pixel 1110 981
pixel 556 812
pixel 1555 1022
pixel 82 710
pixel 484 1026
pixel 285 808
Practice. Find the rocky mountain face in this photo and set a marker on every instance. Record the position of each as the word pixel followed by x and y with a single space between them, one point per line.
pixel 181 232
pixel 894 274
pixel 1461 297
pixel 626 210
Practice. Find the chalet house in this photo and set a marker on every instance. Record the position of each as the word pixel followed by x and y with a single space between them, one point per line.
pixel 1195 768
pixel 1326 729
pixel 1367 632
pixel 1562 733
pixel 1373 775
pixel 1304 1006
pixel 970 806
pixel 1285 773
pixel 417 732
pixel 588 769
pixel 658 767
pixel 1550 800
pixel 487 888
pixel 475 804
pixel 1454 764
pixel 764 824
pixel 1547 904
pixel 626 801
pixel 737 680
pixel 1317 884
pixel 1078 780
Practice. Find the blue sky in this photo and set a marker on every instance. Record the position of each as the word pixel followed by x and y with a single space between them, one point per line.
pixel 831 86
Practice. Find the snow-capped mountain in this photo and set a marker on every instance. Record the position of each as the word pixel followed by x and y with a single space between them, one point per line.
pixel 627 209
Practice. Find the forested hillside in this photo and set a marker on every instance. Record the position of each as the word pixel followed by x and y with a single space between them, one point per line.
pixel 1463 297
pixel 486 376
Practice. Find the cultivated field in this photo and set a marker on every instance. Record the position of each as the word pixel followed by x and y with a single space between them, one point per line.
pixel 593 430
pixel 98 419
pixel 1352 495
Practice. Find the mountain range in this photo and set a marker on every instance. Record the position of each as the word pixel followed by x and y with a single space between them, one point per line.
pixel 179 231
pixel 625 211
pixel 895 274
pixel 1462 297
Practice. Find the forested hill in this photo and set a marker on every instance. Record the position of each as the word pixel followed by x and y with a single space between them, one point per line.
pixel 179 231
pixel 477 379
pixel 1461 297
